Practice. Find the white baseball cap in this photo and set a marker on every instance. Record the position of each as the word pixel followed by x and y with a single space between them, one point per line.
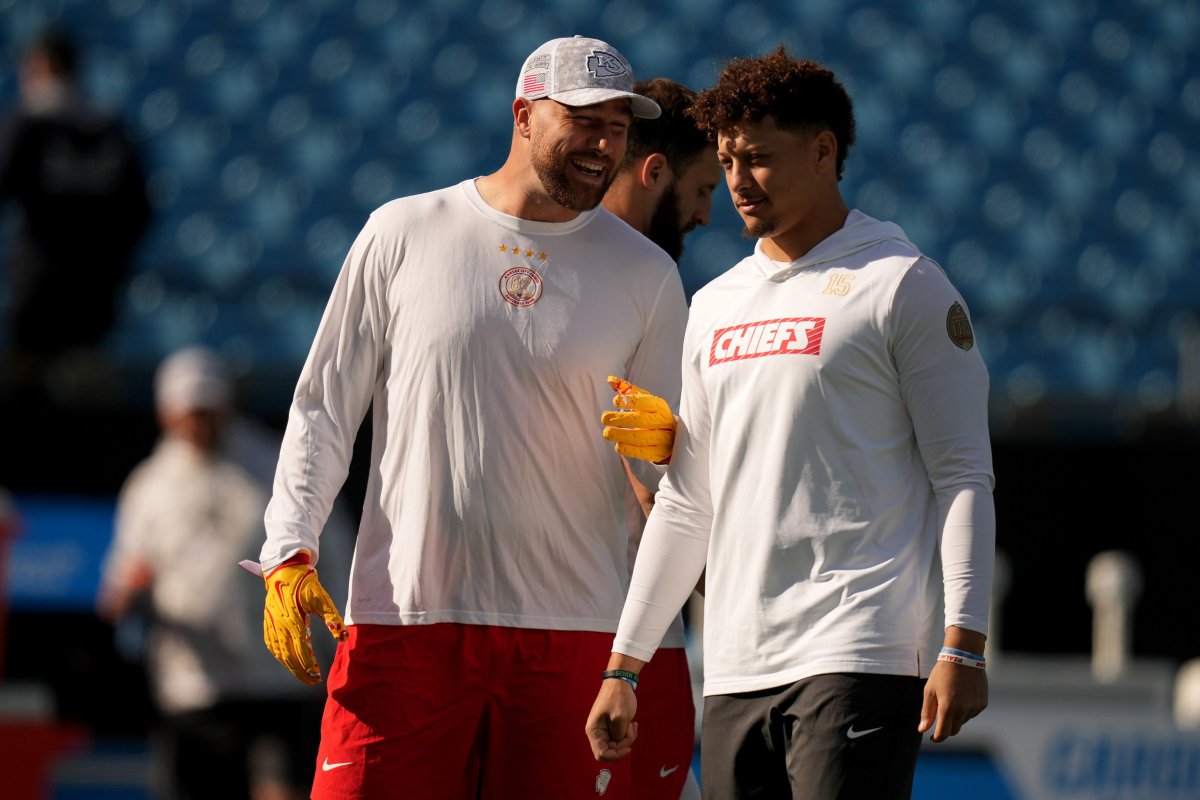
pixel 577 71
pixel 193 379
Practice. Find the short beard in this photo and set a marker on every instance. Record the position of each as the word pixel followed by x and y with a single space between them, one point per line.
pixel 551 167
pixel 665 229
pixel 759 229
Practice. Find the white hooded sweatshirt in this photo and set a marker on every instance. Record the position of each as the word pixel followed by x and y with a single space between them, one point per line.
pixel 833 469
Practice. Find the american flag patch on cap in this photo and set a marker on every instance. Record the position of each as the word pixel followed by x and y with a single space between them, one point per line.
pixel 534 82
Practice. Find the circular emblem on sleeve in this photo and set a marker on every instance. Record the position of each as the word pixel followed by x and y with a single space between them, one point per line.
pixel 958 326
pixel 521 286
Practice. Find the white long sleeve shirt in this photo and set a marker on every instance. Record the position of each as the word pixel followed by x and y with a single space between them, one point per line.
pixel 482 343
pixel 635 521
pixel 833 469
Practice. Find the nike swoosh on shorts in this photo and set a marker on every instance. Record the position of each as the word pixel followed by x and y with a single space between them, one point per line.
pixel 853 734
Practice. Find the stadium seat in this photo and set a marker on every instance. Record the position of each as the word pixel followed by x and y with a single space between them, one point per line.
pixel 1041 151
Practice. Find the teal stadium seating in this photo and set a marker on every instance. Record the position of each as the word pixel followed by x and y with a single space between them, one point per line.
pixel 1039 150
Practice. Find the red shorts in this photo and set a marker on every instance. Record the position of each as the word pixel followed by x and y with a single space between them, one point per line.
pixel 666 718
pixel 464 711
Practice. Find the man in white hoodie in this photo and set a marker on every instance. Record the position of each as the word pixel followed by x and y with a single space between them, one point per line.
pixel 832 469
pixel 664 191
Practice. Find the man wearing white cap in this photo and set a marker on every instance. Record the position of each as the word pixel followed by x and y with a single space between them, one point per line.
pixel 184 517
pixel 479 322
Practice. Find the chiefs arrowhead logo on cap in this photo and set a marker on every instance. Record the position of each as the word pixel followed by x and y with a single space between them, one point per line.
pixel 605 65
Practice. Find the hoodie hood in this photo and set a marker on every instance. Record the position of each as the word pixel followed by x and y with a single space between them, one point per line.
pixel 857 234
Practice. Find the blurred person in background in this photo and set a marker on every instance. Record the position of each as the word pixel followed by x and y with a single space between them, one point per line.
pixel 832 477
pixel 478 322
pixel 664 191
pixel 75 176
pixel 233 725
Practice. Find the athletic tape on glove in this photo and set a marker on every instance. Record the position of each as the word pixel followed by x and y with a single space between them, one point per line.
pixel 644 427
pixel 294 592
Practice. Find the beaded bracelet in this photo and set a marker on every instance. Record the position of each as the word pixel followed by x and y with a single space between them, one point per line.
pixel 962 657
pixel 621 674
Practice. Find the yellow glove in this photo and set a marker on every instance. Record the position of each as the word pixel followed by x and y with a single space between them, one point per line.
pixel 293 592
pixel 644 428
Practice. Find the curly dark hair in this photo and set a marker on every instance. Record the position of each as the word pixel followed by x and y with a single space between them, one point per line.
pixel 798 94
pixel 674 134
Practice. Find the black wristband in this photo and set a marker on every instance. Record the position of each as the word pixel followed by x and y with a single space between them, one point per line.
pixel 623 675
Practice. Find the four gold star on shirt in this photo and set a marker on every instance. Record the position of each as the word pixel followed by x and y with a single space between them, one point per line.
pixel 516 251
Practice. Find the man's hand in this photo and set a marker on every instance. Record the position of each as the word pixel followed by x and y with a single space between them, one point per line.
pixel 293 592
pixel 644 427
pixel 115 598
pixel 953 695
pixel 610 726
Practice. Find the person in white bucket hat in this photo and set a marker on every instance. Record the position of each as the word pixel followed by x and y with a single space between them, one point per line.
pixel 479 322
pixel 230 723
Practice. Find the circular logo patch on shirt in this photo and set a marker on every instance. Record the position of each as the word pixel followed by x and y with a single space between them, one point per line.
pixel 958 326
pixel 521 286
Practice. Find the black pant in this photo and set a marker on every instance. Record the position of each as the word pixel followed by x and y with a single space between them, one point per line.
pixel 845 736
pixel 220 752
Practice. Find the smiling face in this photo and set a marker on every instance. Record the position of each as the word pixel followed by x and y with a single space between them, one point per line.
pixel 576 150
